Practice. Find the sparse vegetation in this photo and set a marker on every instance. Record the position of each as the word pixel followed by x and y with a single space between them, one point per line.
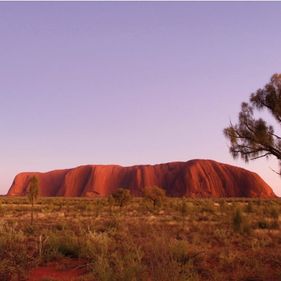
pixel 121 196
pixel 240 223
pixel 32 194
pixel 222 239
pixel 155 195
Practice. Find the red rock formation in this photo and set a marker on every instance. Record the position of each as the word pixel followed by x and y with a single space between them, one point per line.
pixel 195 178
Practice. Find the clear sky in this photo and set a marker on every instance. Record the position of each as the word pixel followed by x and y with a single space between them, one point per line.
pixel 129 82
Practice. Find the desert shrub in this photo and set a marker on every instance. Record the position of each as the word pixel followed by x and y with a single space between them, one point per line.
pixel 8 271
pixel 168 259
pixel 130 266
pixel 14 255
pixel 111 224
pixel 240 223
pixel 121 196
pixel 249 207
pixel 262 224
pixel 57 245
pixel 223 206
pixel 59 226
pixel 2 212
pixel 69 247
pixel 113 261
pixel 144 207
pixel 275 224
pixel 121 256
pixel 97 250
pixel 110 203
pixel 184 208
pixel 96 244
pixel 98 206
pixel 30 229
pixel 154 194
pixel 207 206
pixel 237 220
pixel 82 207
pixel 267 224
pixel 49 206
pixel 222 235
pixel 274 213
pixel 258 202
pixel 179 251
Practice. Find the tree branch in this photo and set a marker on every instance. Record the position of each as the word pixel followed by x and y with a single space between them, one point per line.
pixel 264 155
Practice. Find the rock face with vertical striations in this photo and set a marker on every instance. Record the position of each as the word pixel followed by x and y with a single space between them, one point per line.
pixel 195 178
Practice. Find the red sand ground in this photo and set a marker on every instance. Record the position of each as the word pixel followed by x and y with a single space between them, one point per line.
pixel 65 270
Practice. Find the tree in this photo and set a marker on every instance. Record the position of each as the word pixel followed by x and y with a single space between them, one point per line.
pixel 154 194
pixel 121 196
pixel 33 193
pixel 254 138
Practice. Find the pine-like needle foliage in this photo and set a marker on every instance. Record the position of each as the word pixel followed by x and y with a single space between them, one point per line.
pixel 253 138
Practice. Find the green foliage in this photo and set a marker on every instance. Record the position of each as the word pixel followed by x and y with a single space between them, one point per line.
pixel 154 194
pixel 253 138
pixel 121 196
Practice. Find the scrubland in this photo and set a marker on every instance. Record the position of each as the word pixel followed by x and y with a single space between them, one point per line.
pixel 179 239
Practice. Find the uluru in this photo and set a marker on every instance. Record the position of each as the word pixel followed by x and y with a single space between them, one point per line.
pixel 194 178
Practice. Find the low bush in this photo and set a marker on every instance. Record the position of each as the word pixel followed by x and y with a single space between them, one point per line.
pixel 154 194
pixel 121 196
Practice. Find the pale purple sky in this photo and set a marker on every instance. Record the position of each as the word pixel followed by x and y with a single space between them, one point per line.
pixel 129 82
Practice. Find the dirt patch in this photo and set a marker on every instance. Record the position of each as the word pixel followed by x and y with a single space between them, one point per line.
pixel 64 270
